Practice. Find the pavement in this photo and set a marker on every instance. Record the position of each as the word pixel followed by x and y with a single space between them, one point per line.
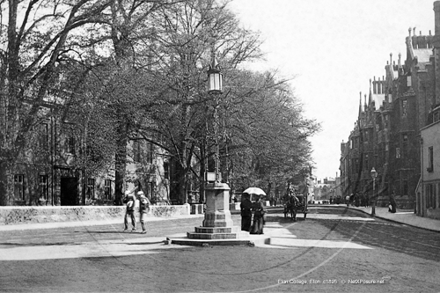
pixel 406 217
pixel 275 236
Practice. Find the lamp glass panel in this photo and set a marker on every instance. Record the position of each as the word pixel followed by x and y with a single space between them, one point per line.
pixel 215 82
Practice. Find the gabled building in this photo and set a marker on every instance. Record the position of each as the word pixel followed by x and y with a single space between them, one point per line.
pixel 428 189
pixel 386 136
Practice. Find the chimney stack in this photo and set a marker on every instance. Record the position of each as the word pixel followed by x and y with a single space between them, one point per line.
pixel 437 17
pixel 436 39
pixel 436 45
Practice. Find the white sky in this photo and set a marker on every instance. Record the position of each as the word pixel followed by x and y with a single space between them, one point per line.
pixel 332 48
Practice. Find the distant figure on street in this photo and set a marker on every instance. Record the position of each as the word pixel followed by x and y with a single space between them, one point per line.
pixel 246 213
pixel 392 204
pixel 129 211
pixel 347 200
pixel 259 217
pixel 144 208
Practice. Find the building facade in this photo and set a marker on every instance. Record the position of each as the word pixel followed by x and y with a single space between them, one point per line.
pixel 428 189
pixel 387 134
pixel 428 192
pixel 48 173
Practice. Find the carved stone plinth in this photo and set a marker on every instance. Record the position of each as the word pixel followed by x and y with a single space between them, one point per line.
pixel 217 213
pixel 217 223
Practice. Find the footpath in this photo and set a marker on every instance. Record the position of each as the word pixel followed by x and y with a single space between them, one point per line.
pixel 406 217
pixel 403 216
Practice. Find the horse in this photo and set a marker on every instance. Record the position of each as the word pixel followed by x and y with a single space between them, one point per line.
pixel 290 207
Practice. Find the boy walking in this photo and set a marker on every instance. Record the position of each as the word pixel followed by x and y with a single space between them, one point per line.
pixel 129 212
pixel 144 207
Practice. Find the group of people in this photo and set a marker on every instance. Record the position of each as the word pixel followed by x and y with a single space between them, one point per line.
pixel 253 215
pixel 144 207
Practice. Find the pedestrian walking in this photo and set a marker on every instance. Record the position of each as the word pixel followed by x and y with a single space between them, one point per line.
pixel 246 213
pixel 392 204
pixel 259 217
pixel 144 208
pixel 129 212
pixel 347 200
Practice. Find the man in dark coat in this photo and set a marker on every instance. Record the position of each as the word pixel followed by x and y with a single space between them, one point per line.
pixel 246 213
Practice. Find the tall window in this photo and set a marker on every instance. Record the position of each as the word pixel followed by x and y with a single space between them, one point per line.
pixel 430 197
pixel 70 145
pixel 43 136
pixel 149 148
pixel 166 168
pixel 137 151
pixel 404 145
pixel 19 187
pixel 150 189
pixel 405 187
pixel 91 188
pixel 430 159
pixel 43 187
pixel 404 108
pixel 108 189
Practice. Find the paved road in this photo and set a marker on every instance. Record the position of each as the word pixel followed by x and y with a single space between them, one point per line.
pixel 333 250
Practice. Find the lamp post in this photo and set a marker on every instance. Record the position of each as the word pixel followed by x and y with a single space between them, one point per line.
pixel 373 204
pixel 215 87
pixel 217 223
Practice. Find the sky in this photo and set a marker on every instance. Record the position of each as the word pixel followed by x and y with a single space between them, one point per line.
pixel 330 50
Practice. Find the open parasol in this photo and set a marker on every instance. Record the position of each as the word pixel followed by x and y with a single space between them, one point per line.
pixel 254 190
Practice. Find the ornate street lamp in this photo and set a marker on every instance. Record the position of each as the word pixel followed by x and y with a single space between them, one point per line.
pixel 373 204
pixel 215 78
pixel 215 87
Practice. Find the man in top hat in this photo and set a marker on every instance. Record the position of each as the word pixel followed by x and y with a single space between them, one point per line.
pixel 246 212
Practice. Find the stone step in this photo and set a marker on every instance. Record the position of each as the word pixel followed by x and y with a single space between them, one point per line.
pixel 191 235
pixel 233 229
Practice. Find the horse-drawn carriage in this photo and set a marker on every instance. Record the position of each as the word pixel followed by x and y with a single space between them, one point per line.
pixel 295 204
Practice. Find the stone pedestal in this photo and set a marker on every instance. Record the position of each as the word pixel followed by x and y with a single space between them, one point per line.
pixel 217 223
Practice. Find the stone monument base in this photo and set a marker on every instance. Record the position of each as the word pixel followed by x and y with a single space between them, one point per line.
pixel 217 227
pixel 215 233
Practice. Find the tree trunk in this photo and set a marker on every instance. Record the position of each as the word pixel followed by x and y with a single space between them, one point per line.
pixel 3 183
pixel 120 161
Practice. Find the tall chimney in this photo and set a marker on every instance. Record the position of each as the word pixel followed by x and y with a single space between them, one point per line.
pixel 437 17
pixel 374 85
pixel 436 45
